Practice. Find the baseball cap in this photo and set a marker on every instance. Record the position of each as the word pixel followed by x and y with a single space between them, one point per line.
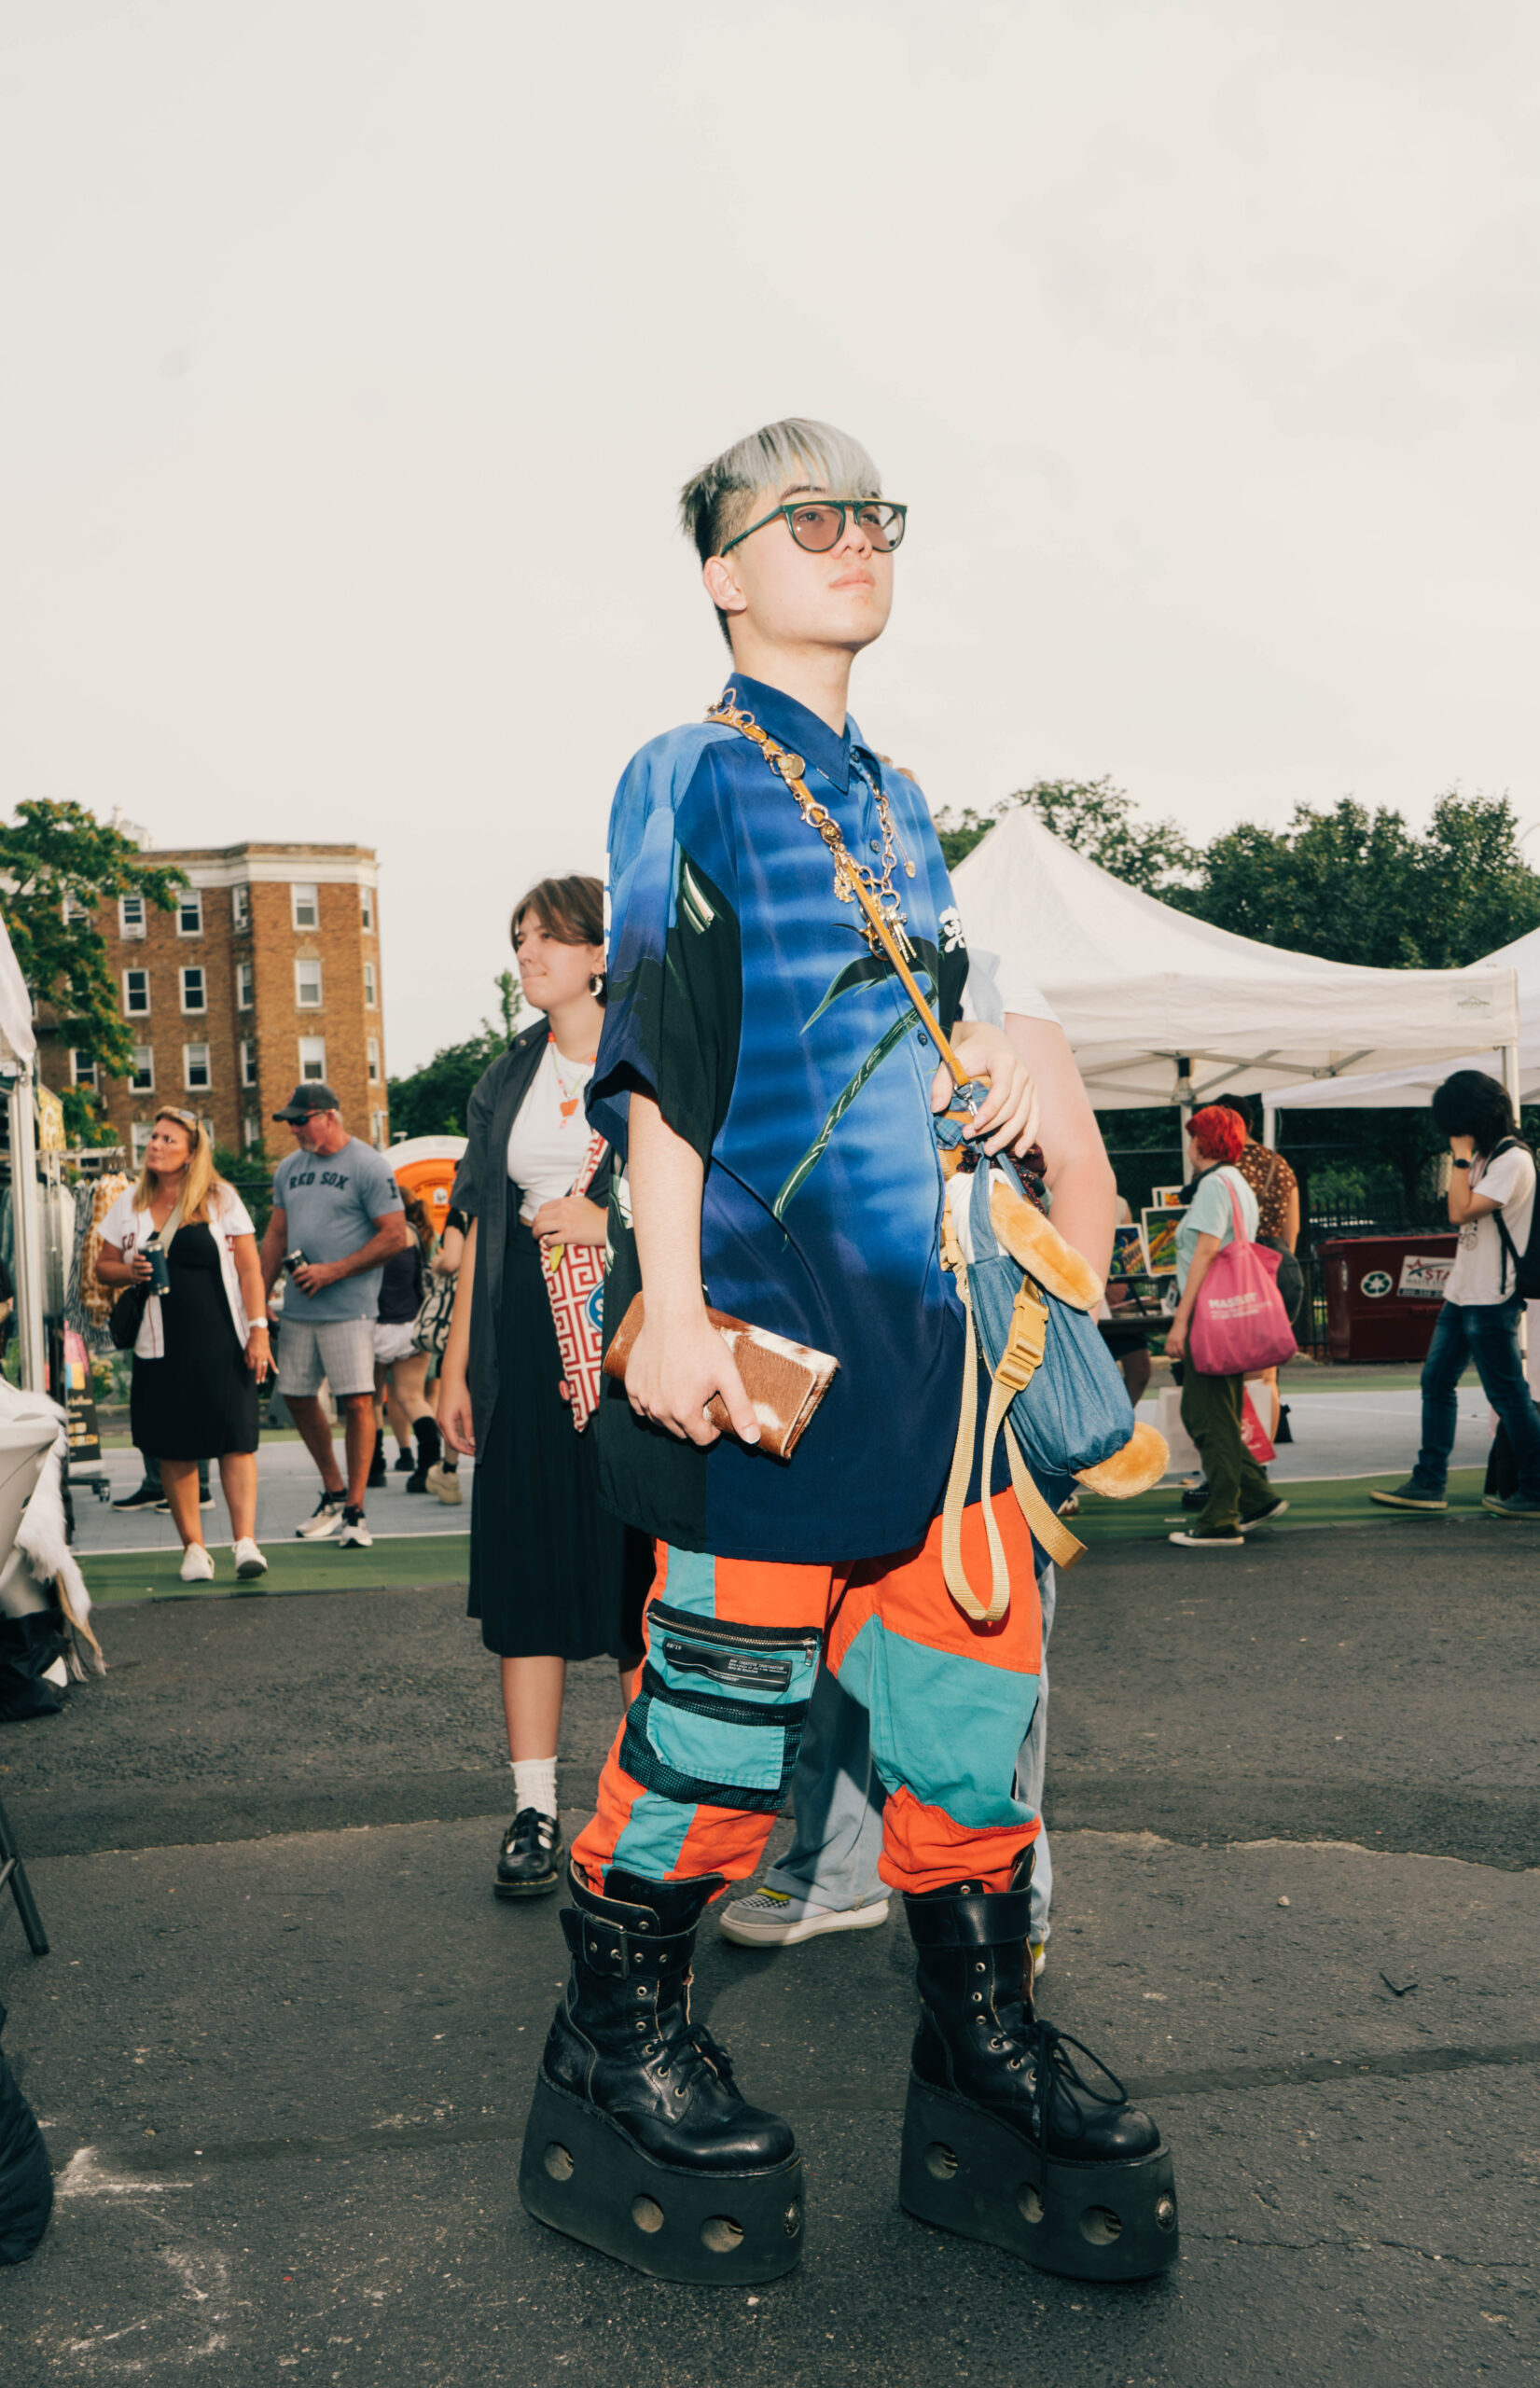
pixel 306 1099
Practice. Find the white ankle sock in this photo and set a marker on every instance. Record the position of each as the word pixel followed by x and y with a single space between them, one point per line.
pixel 535 1784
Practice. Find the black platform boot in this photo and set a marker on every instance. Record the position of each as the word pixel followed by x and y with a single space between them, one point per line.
pixel 1006 2137
pixel 638 2140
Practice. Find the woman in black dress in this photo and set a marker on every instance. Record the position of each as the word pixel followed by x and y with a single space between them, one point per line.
pixel 202 1347
pixel 553 1576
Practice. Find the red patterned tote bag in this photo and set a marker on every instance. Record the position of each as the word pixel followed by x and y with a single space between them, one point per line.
pixel 574 1280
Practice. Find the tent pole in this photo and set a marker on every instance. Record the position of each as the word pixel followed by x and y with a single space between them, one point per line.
pixel 29 1257
pixel 1269 1124
pixel 1530 1314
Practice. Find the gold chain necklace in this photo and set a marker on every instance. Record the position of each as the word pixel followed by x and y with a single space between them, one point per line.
pixel 848 875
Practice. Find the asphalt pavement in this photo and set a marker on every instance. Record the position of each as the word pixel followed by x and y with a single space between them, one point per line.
pixel 283 2044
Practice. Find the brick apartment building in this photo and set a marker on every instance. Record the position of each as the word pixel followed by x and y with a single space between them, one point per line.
pixel 266 974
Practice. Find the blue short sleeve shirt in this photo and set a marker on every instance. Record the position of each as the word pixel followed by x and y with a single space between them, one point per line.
pixel 744 998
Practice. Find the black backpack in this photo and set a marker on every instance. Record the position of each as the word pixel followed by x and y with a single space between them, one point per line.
pixel 1526 1264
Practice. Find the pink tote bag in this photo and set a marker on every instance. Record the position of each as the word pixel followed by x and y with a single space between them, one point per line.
pixel 1239 1322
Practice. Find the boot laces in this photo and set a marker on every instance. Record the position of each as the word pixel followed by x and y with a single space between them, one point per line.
pixel 1064 2084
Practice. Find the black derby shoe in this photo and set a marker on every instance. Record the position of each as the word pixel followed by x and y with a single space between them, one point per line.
pixel 530 1865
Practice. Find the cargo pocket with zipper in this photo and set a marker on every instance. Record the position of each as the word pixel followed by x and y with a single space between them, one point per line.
pixel 719 1718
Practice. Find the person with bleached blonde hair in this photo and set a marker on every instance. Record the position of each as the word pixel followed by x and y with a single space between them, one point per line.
pixel 202 1349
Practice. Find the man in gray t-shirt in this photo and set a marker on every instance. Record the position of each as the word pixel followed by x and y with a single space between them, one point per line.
pixel 337 1202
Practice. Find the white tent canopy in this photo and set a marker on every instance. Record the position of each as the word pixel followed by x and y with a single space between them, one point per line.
pixel 1414 1085
pixel 1160 1007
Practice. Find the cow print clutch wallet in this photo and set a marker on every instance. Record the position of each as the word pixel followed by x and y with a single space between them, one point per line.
pixel 785 1381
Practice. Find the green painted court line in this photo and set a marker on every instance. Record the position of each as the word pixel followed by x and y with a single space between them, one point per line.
pixel 293 1566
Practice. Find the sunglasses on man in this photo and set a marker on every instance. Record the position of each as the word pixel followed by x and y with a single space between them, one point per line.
pixel 818 523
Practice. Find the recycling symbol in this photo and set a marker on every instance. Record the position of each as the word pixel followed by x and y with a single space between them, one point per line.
pixel 1376 1283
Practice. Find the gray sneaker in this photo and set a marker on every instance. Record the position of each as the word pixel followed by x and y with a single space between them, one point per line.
pixel 1410 1495
pixel 1517 1504
pixel 323 1520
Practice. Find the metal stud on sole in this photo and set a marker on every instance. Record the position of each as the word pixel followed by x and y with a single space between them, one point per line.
pixel 963 2171
pixel 581 2174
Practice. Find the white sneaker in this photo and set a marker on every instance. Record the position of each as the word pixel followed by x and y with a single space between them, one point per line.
pixel 355 1535
pixel 775 1920
pixel 197 1566
pixel 445 1481
pixel 249 1561
pixel 1039 1957
pixel 324 1518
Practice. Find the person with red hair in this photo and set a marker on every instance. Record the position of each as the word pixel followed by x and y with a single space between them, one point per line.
pixel 1240 1495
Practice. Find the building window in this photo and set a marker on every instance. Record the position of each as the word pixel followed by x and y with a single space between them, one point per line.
pixel 82 1068
pixel 75 911
pixel 240 908
pixel 372 1048
pixel 377 1130
pixel 245 985
pixel 142 1075
pixel 130 916
pixel 365 908
pixel 251 1131
pixel 193 997
pixel 313 1058
pixel 248 1062
pixel 307 906
pixel 371 987
pixel 139 1137
pixel 194 1068
pixel 190 912
pixel 306 985
pixel 136 992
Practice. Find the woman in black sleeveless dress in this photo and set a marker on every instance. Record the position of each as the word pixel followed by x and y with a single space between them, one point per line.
pixel 202 1346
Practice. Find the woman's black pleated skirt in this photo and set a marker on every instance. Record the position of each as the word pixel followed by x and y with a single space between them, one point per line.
pixel 553 1574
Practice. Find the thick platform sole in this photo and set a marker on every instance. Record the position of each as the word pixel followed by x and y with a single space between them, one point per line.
pixel 966 2171
pixel 581 2174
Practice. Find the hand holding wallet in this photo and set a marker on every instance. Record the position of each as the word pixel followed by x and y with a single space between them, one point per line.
pixel 785 1381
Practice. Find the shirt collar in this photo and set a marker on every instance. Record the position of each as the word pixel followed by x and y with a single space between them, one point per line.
pixel 793 725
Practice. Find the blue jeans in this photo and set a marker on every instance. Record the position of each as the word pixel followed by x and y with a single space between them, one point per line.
pixel 1485 1335
pixel 836 1799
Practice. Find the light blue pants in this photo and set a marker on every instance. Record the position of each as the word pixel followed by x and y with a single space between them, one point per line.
pixel 836 1799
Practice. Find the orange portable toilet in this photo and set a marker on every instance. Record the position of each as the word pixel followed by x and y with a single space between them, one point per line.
pixel 425 1166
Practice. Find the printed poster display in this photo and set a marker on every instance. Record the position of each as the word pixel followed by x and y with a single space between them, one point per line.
pixel 1166 1197
pixel 1128 1256
pixel 1160 1230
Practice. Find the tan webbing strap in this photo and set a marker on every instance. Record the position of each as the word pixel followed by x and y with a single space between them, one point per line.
pixel 953 1570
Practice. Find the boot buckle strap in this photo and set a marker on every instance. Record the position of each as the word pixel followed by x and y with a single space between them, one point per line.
pixel 611 1950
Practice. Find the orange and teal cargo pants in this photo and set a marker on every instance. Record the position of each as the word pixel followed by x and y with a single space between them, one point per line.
pixel 703 1760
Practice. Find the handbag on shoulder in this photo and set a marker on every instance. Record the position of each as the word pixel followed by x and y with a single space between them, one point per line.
pixel 1238 1320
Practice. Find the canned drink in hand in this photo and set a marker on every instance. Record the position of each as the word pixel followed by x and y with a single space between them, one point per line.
pixel 159 1266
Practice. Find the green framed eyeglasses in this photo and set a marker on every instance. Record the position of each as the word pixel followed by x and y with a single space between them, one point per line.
pixel 818 523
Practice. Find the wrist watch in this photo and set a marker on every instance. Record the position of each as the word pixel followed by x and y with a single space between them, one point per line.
pixel 1462 1164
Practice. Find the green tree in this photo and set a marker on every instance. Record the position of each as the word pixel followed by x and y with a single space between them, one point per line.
pixel 433 1100
pixel 1353 885
pixel 59 865
pixel 1098 820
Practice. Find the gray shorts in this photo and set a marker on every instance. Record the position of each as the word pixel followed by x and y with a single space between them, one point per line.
pixel 341 1351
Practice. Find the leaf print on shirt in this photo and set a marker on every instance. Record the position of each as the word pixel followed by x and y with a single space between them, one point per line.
pixel 867 970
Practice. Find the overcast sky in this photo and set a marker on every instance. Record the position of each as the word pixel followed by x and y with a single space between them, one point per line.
pixel 352 353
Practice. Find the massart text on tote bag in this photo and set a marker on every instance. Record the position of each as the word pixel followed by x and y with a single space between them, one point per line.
pixel 1239 1320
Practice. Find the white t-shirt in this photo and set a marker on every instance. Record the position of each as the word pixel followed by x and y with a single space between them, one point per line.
pixel 1480 1274
pixel 995 988
pixel 551 1135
